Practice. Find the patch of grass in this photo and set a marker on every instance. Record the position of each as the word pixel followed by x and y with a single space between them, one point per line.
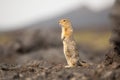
pixel 94 39
pixel 4 39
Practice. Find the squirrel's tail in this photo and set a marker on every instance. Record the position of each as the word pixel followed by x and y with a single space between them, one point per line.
pixel 83 63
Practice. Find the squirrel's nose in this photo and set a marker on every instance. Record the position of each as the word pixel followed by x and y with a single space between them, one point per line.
pixel 59 23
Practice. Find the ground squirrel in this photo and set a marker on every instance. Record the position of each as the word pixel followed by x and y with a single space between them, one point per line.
pixel 70 49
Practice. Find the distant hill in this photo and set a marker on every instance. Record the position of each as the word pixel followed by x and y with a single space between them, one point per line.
pixel 80 17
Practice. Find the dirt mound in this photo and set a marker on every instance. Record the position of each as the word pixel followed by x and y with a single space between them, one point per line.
pixel 114 54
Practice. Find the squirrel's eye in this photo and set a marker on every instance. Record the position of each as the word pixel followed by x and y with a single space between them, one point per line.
pixel 63 20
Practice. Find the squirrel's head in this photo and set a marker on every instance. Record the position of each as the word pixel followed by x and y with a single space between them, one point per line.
pixel 64 22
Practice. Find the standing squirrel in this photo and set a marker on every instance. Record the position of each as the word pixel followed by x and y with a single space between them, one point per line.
pixel 70 49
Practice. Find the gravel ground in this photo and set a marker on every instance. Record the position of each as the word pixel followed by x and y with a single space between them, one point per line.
pixel 42 70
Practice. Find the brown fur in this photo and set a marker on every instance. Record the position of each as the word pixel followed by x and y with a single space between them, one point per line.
pixel 70 49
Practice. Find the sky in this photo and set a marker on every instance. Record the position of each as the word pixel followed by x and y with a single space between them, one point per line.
pixel 22 12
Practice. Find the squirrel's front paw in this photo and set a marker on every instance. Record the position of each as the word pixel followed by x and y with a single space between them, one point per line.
pixel 62 38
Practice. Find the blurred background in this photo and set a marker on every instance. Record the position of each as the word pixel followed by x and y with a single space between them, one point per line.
pixel 29 29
